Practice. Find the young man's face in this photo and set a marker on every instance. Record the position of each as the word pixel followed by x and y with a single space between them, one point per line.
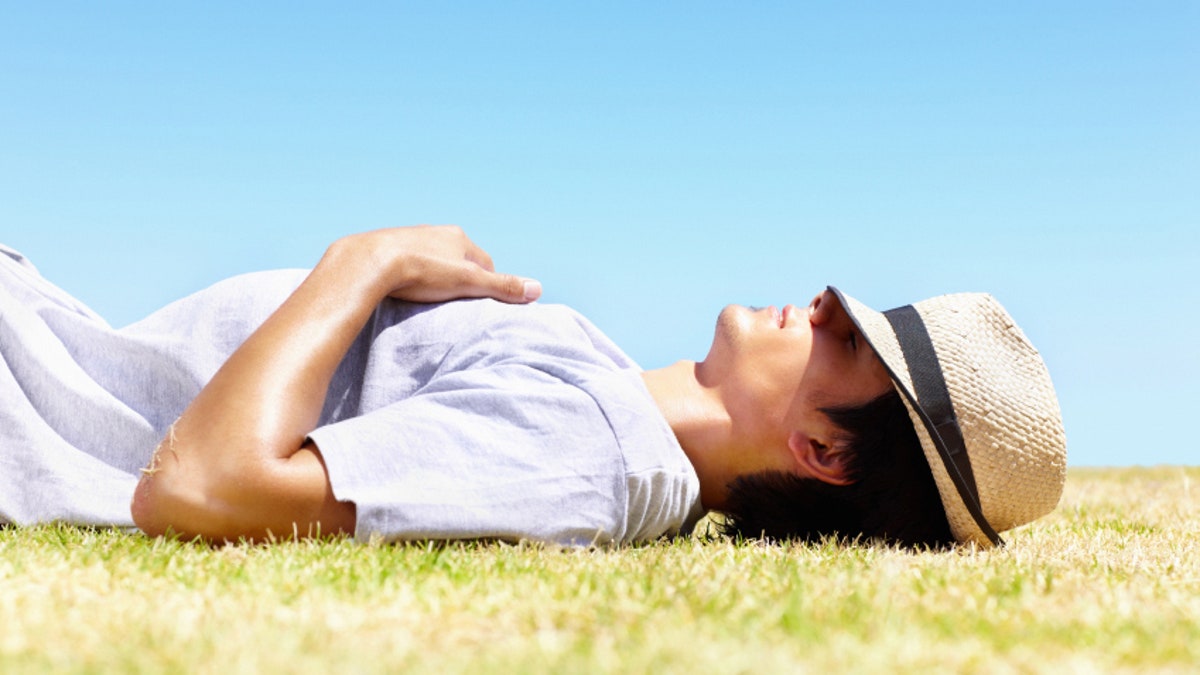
pixel 775 369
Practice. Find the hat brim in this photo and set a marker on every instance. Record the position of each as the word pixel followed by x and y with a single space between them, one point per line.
pixel 879 332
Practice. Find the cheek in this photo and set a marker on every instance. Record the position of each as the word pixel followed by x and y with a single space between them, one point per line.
pixel 880 382
pixel 849 386
pixel 774 368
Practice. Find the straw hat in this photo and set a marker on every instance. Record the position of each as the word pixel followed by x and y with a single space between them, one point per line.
pixel 982 404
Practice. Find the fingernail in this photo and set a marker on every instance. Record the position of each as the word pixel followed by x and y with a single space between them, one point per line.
pixel 533 289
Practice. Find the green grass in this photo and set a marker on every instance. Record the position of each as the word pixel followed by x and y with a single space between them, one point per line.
pixel 1110 582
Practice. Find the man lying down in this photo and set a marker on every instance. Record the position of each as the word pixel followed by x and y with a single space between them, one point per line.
pixel 403 389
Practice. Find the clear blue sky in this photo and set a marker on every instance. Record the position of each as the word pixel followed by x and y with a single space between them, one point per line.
pixel 649 162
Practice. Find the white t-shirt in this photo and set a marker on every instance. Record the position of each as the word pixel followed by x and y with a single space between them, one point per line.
pixel 470 419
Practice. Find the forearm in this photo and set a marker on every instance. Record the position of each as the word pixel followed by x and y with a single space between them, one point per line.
pixel 270 392
pixel 236 437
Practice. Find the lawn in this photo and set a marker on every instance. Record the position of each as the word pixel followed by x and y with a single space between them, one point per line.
pixel 1109 582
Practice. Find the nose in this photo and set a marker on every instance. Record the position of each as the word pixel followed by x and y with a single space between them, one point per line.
pixel 822 307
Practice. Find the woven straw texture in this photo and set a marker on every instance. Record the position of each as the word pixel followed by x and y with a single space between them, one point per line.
pixel 1005 404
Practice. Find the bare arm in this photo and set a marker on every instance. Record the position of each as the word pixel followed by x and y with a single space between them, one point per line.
pixel 236 463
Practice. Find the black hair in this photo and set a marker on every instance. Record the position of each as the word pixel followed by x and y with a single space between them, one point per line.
pixel 891 497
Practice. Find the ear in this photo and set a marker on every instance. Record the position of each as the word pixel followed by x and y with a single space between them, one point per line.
pixel 817 459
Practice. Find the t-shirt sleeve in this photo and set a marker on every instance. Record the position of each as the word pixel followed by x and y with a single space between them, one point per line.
pixel 508 451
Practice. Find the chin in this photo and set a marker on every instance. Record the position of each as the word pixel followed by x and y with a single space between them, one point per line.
pixel 730 322
pixel 728 333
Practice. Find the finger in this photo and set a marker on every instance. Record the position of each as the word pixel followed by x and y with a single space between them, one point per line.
pixel 507 287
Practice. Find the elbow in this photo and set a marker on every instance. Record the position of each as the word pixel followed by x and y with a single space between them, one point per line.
pixel 162 506
pixel 147 507
pixel 164 500
pixel 172 499
pixel 243 497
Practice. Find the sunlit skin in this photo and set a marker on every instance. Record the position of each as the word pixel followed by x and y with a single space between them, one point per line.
pixel 753 403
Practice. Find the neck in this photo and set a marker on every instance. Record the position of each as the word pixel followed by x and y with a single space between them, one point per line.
pixel 701 425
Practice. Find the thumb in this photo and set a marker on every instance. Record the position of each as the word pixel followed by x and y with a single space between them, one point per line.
pixel 511 288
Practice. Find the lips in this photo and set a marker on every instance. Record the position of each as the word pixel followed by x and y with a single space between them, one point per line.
pixel 782 318
pixel 787 315
pixel 776 315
